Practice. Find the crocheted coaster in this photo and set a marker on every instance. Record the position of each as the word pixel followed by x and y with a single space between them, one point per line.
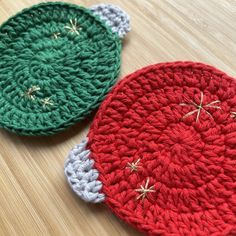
pixel 57 62
pixel 161 152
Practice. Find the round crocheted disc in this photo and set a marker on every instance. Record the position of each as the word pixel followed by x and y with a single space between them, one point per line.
pixel 57 62
pixel 164 144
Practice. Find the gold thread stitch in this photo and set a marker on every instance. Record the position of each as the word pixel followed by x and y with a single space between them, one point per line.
pixel 29 93
pixel 73 27
pixel 199 107
pixel 145 190
pixel 233 114
pixel 133 166
pixel 47 102
pixel 55 35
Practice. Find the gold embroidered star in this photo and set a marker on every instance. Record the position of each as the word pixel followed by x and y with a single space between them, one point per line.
pixel 233 114
pixel 74 28
pixel 144 190
pixel 133 166
pixel 47 102
pixel 56 35
pixel 30 92
pixel 200 107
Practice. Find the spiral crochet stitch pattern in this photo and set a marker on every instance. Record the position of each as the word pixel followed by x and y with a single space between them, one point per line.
pixel 57 62
pixel 163 151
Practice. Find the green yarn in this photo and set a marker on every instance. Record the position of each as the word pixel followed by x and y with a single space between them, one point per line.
pixel 53 74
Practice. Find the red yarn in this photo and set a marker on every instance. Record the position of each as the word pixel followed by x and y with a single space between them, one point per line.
pixel 190 162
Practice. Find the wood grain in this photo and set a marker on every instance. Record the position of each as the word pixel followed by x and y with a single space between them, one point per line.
pixel 35 198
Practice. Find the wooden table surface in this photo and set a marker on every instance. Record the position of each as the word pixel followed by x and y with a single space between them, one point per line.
pixel 34 196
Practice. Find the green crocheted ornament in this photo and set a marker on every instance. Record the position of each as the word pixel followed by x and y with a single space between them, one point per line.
pixel 57 62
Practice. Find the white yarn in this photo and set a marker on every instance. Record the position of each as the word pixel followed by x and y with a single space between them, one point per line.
pixel 115 17
pixel 81 175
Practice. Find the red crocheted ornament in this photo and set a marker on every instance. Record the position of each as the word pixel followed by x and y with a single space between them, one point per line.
pixel 164 144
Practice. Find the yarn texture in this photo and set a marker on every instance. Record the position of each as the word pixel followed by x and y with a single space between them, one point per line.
pixel 115 18
pixel 57 62
pixel 164 145
pixel 81 175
